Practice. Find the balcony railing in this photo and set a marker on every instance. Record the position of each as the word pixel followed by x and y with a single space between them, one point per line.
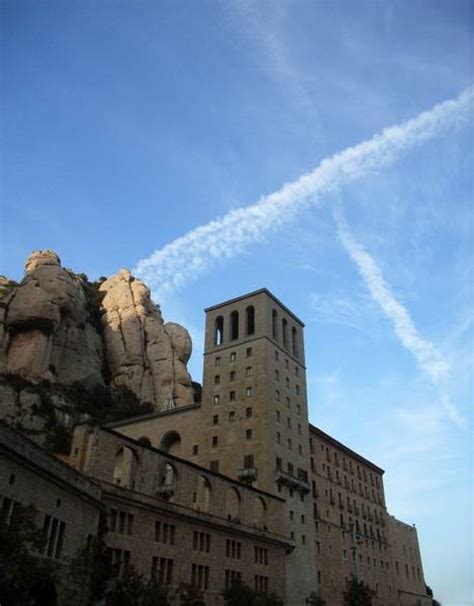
pixel 248 474
pixel 291 481
pixel 166 490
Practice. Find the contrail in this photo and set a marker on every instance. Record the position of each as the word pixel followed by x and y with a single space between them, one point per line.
pixel 182 260
pixel 427 356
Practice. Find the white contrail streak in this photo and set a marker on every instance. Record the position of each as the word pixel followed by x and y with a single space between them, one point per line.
pixel 427 356
pixel 425 353
pixel 182 260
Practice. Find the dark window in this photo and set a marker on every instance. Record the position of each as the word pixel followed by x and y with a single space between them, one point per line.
pixel 219 331
pixel 234 325
pixel 275 324
pixel 284 328
pixel 250 313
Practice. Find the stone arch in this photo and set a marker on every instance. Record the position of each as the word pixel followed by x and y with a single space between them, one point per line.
pixel 171 443
pixel 284 332
pixel 219 331
pixel 294 341
pixel 234 325
pixel 250 320
pixel 203 494
pixel 274 324
pixel 232 504
pixel 259 512
pixel 168 481
pixel 125 469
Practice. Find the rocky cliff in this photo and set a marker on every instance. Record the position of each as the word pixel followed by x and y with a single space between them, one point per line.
pixel 56 326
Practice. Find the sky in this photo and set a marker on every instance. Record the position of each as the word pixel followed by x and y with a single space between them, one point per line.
pixel 215 148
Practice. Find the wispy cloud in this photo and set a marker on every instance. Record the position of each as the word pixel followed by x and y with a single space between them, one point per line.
pixel 184 259
pixel 426 354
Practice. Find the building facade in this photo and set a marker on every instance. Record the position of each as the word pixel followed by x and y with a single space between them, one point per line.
pixel 240 485
pixel 252 425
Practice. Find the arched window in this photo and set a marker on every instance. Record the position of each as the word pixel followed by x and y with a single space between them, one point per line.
pixel 259 512
pixel 167 483
pixel 125 469
pixel 203 494
pixel 250 313
pixel 144 441
pixel 294 341
pixel 219 331
pixel 232 504
pixel 284 329
pixel 275 324
pixel 234 325
pixel 171 442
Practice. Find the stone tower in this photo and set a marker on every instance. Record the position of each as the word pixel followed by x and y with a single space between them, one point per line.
pixel 254 412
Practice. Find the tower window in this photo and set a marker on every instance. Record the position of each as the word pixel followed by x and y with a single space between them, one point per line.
pixel 231 395
pixel 294 341
pixel 275 324
pixel 248 371
pixel 249 352
pixel 248 412
pixel 250 313
pixel 248 434
pixel 219 331
pixel 217 379
pixel 232 415
pixel 216 399
pixel 215 419
pixel 284 329
pixel 234 325
pixel 248 392
pixel 232 375
pixel 215 440
pixel 233 356
pixel 217 361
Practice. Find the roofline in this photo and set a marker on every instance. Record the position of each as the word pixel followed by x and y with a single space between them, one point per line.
pixel 252 294
pixel 345 448
pixel 150 415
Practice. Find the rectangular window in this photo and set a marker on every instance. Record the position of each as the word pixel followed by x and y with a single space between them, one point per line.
pixel 248 412
pixel 217 361
pixel 216 399
pixel 231 396
pixel 215 441
pixel 195 449
pixel 249 462
pixel 249 352
pixel 232 415
pixel 214 466
pixel 233 356
pixel 248 371
pixel 215 419
pixel 232 375
pixel 217 379
pixel 248 434
pixel 248 392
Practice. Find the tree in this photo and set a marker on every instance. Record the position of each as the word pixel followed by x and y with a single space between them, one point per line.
pixel 240 594
pixel 24 577
pixel 190 596
pixel 134 590
pixel 357 593
pixel 315 600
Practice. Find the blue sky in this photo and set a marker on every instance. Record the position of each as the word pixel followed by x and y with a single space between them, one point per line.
pixel 127 125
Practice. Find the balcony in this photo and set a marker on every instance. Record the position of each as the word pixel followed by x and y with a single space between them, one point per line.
pixel 248 474
pixel 166 490
pixel 287 479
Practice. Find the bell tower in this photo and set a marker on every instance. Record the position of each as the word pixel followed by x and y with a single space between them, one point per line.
pixel 254 413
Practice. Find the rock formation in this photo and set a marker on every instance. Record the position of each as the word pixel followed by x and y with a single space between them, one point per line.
pixel 46 324
pixel 56 326
pixel 143 353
